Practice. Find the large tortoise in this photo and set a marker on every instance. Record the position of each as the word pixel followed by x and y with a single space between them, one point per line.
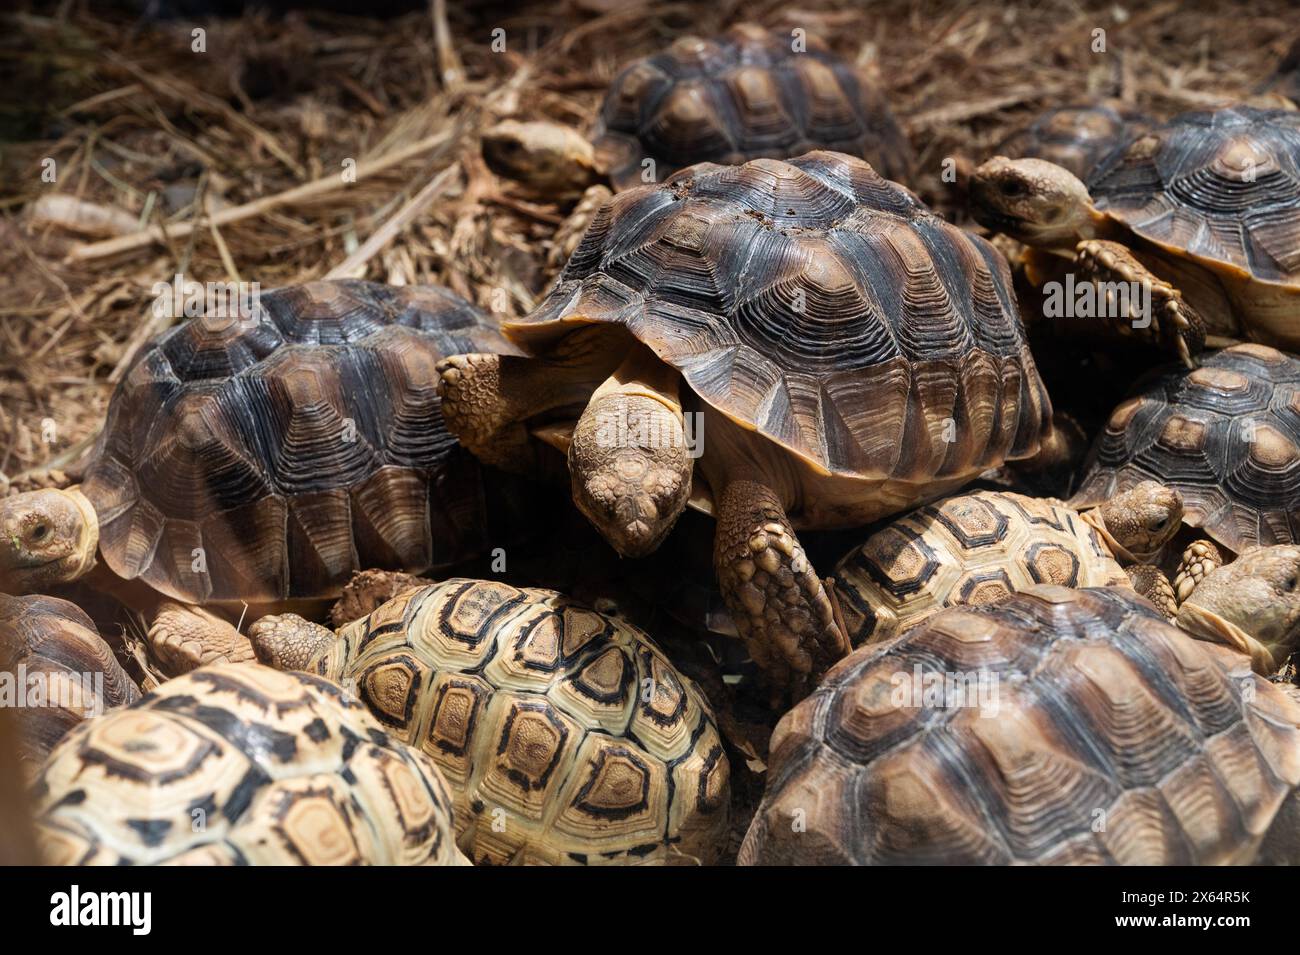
pixel 1204 210
pixel 1226 436
pixel 237 764
pixel 566 735
pixel 839 352
pixel 977 548
pixel 746 94
pixel 263 458
pixel 55 671
pixel 1076 137
pixel 1059 726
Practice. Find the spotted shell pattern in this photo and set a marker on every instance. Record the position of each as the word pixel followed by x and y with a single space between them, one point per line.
pixel 972 549
pixel 239 764
pixel 1222 186
pixel 824 308
pixel 567 736
pixel 50 646
pixel 743 95
pixel 1226 436
pixel 1094 709
pixel 270 457
pixel 1075 137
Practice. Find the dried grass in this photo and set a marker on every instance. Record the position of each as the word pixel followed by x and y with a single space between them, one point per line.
pixel 169 138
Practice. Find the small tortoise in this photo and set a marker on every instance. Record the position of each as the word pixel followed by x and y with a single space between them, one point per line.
pixel 238 764
pixel 838 352
pixel 1076 137
pixel 55 671
pixel 1203 210
pixel 746 94
pixel 1226 436
pixel 261 460
pixel 566 735
pixel 1059 726
pixel 978 548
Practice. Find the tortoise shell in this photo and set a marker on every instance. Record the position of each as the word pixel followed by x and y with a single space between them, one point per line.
pixel 1221 187
pixel 240 764
pixel 1060 726
pixel 566 735
pixel 743 95
pixel 270 457
pixel 1226 436
pixel 823 308
pixel 972 549
pixel 1076 137
pixel 51 648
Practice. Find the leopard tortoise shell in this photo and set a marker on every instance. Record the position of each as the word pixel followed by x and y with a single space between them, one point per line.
pixel 291 449
pixel 1225 435
pixel 971 549
pixel 743 95
pixel 566 735
pixel 49 646
pixel 1059 726
pixel 241 764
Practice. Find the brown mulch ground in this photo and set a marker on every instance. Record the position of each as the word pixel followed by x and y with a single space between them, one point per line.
pixel 136 121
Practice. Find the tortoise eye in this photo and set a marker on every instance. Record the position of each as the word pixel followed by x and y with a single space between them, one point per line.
pixel 1012 187
pixel 38 533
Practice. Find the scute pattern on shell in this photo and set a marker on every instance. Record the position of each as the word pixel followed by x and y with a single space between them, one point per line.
pixel 292 448
pixel 534 707
pixel 239 764
pixel 1223 185
pixel 820 305
pixel 53 640
pixel 971 549
pixel 1076 137
pixel 744 95
pixel 1226 436
pixel 1102 706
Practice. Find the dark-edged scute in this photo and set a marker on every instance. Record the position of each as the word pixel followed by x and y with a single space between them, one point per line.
pixel 1095 710
pixel 820 304
pixel 1224 185
pixel 1076 137
pixel 744 95
pixel 1226 436
pixel 271 457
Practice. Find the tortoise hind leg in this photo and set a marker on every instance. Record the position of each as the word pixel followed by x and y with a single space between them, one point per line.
pixel 1170 321
pixel 184 638
pixel 780 606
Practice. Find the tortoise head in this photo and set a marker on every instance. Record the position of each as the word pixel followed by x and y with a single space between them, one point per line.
pixel 1252 604
pixel 47 537
pixel 1032 200
pixel 545 156
pixel 1143 518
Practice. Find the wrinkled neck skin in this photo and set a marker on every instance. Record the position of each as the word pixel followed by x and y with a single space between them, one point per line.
pixel 1092 517
pixel 1209 626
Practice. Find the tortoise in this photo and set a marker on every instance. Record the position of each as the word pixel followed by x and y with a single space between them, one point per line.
pixel 1058 726
pixel 1076 137
pixel 259 460
pixel 566 735
pixel 746 94
pixel 1226 436
pixel 977 548
pixel 236 763
pixel 55 671
pixel 1203 210
pixel 840 352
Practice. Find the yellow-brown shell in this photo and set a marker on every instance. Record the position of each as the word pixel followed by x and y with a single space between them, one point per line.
pixel 743 95
pixel 49 646
pixel 971 549
pixel 1221 187
pixel 823 308
pixel 1226 436
pixel 241 764
pixel 1099 734
pixel 268 457
pixel 567 736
